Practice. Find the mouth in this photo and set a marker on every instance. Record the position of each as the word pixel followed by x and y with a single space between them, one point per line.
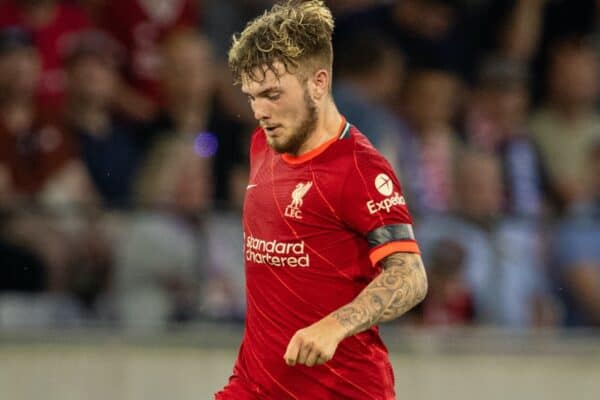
pixel 271 129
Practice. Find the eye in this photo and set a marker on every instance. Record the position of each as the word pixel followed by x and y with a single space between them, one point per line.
pixel 274 96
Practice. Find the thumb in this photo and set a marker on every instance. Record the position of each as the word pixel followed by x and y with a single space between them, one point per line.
pixel 291 353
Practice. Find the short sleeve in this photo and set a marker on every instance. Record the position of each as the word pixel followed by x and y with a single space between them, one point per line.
pixel 373 205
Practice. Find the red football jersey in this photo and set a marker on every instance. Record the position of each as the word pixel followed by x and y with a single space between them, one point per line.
pixel 315 228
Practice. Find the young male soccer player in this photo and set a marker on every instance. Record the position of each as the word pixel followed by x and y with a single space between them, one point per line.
pixel 329 248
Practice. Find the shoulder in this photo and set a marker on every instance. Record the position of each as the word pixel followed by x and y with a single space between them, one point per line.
pixel 362 168
pixel 351 154
pixel 364 154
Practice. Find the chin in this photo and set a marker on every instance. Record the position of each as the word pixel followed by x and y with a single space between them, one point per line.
pixel 281 149
pixel 278 144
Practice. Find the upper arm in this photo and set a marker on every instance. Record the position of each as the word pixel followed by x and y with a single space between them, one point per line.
pixel 372 204
pixel 409 263
pixel 405 274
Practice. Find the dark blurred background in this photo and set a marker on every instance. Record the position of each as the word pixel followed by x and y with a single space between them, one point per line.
pixel 123 162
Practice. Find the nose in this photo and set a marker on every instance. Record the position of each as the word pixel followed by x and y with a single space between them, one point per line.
pixel 260 110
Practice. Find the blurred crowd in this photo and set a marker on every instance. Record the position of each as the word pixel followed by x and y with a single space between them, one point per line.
pixel 123 155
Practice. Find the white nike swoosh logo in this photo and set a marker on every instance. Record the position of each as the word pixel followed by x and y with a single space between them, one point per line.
pixel 250 186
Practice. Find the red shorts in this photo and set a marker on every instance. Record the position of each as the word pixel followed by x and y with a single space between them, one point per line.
pixel 238 389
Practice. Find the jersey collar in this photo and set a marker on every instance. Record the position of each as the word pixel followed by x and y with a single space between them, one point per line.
pixel 343 132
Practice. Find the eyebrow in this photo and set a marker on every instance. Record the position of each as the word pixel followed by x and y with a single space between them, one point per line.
pixel 264 91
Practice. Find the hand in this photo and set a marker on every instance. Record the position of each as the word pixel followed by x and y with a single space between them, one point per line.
pixel 315 344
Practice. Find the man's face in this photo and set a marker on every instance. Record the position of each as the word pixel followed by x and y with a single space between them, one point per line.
pixel 19 72
pixel 480 189
pixel 431 99
pixel 283 107
pixel 92 80
pixel 574 77
pixel 188 70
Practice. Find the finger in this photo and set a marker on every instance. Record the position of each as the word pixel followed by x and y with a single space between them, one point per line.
pixel 305 350
pixel 321 360
pixel 312 358
pixel 291 353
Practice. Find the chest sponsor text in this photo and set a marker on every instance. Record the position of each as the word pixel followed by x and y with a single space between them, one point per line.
pixel 276 253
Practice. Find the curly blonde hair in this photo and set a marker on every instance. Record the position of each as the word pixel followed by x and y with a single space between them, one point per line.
pixel 297 34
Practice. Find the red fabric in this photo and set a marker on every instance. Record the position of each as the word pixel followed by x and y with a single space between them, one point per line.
pixel 306 252
pixel 50 40
pixel 141 33
pixel 239 388
pixel 33 156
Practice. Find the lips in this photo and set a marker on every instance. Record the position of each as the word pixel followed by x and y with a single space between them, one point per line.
pixel 270 129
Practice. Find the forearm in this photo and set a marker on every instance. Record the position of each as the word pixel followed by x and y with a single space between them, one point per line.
pixel 522 33
pixel 401 286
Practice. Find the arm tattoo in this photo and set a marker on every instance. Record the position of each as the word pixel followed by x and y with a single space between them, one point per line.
pixel 401 286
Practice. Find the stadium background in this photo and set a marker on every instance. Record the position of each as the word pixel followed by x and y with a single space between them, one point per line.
pixel 123 163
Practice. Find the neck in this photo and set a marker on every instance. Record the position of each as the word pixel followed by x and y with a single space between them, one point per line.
pixel 328 122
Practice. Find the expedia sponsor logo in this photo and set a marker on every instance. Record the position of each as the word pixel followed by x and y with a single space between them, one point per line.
pixel 385 204
pixel 384 184
pixel 275 253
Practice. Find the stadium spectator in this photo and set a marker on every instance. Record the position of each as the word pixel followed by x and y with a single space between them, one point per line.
pixel 568 121
pixel 496 122
pixel 36 155
pixel 107 145
pixel 576 251
pixel 429 32
pixel 140 26
pixel 223 288
pixel 156 273
pixel 369 74
pixel 424 152
pixel 191 128
pixel 52 23
pixel 450 302
pixel 39 164
pixel 503 265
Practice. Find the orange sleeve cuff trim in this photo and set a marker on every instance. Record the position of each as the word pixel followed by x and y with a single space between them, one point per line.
pixel 405 246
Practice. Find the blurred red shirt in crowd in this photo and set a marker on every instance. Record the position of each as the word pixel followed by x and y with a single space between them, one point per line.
pixel 140 26
pixel 34 155
pixel 52 24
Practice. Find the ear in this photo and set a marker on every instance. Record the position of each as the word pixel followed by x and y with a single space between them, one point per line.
pixel 320 84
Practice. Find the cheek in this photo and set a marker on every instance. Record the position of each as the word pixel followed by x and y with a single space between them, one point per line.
pixel 285 112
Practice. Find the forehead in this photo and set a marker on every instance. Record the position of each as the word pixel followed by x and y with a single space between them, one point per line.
pixel 270 79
